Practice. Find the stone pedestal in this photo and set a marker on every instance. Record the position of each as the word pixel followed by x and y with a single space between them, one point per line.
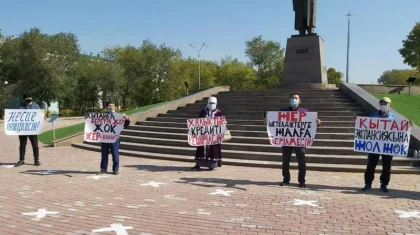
pixel 304 61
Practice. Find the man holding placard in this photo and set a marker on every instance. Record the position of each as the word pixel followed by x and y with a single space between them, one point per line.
pixel 23 139
pixel 105 128
pixel 381 134
pixel 292 128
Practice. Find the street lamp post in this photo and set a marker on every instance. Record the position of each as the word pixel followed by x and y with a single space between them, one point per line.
pixel 198 57
pixel 348 46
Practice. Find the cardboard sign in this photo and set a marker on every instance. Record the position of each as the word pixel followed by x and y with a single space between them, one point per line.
pixel 382 136
pixel 290 128
pixel 23 121
pixel 206 131
pixel 103 127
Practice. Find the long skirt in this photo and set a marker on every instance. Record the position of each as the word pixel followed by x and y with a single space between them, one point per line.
pixel 209 156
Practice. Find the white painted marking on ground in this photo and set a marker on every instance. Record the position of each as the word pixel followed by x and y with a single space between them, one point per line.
pixel 117 228
pixel 221 192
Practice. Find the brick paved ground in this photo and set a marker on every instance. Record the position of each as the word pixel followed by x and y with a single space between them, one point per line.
pixel 230 200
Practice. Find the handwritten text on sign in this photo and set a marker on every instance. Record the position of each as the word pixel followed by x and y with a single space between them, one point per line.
pixel 24 121
pixel 103 127
pixel 206 131
pixel 291 128
pixel 382 136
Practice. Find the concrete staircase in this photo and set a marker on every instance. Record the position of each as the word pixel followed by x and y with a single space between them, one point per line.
pixel 164 136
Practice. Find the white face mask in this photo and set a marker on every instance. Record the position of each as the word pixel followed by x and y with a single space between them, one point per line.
pixel 383 108
pixel 211 106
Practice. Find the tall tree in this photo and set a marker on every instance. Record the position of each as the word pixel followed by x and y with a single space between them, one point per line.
pixel 236 74
pixel 411 48
pixel 40 64
pixel 267 57
pixel 334 76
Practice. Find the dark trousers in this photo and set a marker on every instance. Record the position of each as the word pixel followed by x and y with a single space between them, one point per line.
pixel 114 148
pixel 373 160
pixel 300 155
pixel 23 139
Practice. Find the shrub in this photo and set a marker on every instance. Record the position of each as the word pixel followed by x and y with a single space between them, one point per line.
pixel 66 113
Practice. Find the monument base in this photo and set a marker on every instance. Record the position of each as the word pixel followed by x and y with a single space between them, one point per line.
pixel 304 61
pixel 308 86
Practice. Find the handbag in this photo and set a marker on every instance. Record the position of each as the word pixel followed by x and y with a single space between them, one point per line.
pixel 227 135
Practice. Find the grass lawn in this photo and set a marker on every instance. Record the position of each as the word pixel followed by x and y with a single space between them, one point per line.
pixel 47 137
pixel 406 105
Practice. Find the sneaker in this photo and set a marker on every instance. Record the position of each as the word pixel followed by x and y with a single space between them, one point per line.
pixel 284 183
pixel 384 188
pixel 102 172
pixel 367 187
pixel 302 185
pixel 116 172
pixel 37 163
pixel 195 168
pixel 19 163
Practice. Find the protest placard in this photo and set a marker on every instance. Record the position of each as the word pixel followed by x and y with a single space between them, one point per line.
pixel 206 131
pixel 290 128
pixel 382 136
pixel 23 121
pixel 103 127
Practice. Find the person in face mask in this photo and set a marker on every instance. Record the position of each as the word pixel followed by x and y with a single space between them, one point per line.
pixel 383 112
pixel 211 155
pixel 23 139
pixel 288 150
pixel 114 148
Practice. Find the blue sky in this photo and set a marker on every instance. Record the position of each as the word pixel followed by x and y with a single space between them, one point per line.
pixel 377 28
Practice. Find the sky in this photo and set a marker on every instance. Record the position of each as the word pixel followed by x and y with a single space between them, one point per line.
pixel 377 27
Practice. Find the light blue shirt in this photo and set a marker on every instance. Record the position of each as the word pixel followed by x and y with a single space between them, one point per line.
pixel 390 115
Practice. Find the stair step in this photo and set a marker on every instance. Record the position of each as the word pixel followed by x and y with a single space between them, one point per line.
pixel 347 116
pixel 239 111
pixel 251 122
pixel 233 127
pixel 255 163
pixel 321 135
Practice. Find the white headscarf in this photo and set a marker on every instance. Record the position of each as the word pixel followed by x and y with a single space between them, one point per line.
pixel 211 107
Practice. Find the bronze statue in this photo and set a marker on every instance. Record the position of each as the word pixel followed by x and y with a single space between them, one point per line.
pixel 305 15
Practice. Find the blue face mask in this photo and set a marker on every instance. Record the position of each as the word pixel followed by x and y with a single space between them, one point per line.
pixel 294 102
pixel 383 108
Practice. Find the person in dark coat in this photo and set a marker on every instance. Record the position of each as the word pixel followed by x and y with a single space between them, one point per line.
pixel 114 148
pixel 288 150
pixel 210 155
pixel 23 139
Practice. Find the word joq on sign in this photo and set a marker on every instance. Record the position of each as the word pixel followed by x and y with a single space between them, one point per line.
pixel 382 136
pixel 206 131
pixel 290 128
pixel 23 121
pixel 103 127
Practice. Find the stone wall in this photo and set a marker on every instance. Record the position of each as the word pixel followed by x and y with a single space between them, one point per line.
pixel 390 89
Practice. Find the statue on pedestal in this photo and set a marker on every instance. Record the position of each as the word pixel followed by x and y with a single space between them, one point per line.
pixel 305 16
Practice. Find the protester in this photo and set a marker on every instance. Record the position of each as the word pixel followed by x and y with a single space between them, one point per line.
pixel 287 150
pixel 210 155
pixel 23 139
pixel 373 159
pixel 114 148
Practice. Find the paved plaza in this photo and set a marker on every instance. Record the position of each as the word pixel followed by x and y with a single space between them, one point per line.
pixel 65 196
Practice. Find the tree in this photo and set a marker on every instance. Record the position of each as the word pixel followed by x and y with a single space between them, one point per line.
pixel 268 58
pixel 411 48
pixel 334 76
pixel 236 74
pixel 40 64
pixel 398 76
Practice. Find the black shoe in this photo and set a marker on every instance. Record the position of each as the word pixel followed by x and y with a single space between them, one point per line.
pixel 302 185
pixel 367 187
pixel 384 188
pixel 284 183
pixel 116 173
pixel 37 163
pixel 196 168
pixel 211 168
pixel 20 163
